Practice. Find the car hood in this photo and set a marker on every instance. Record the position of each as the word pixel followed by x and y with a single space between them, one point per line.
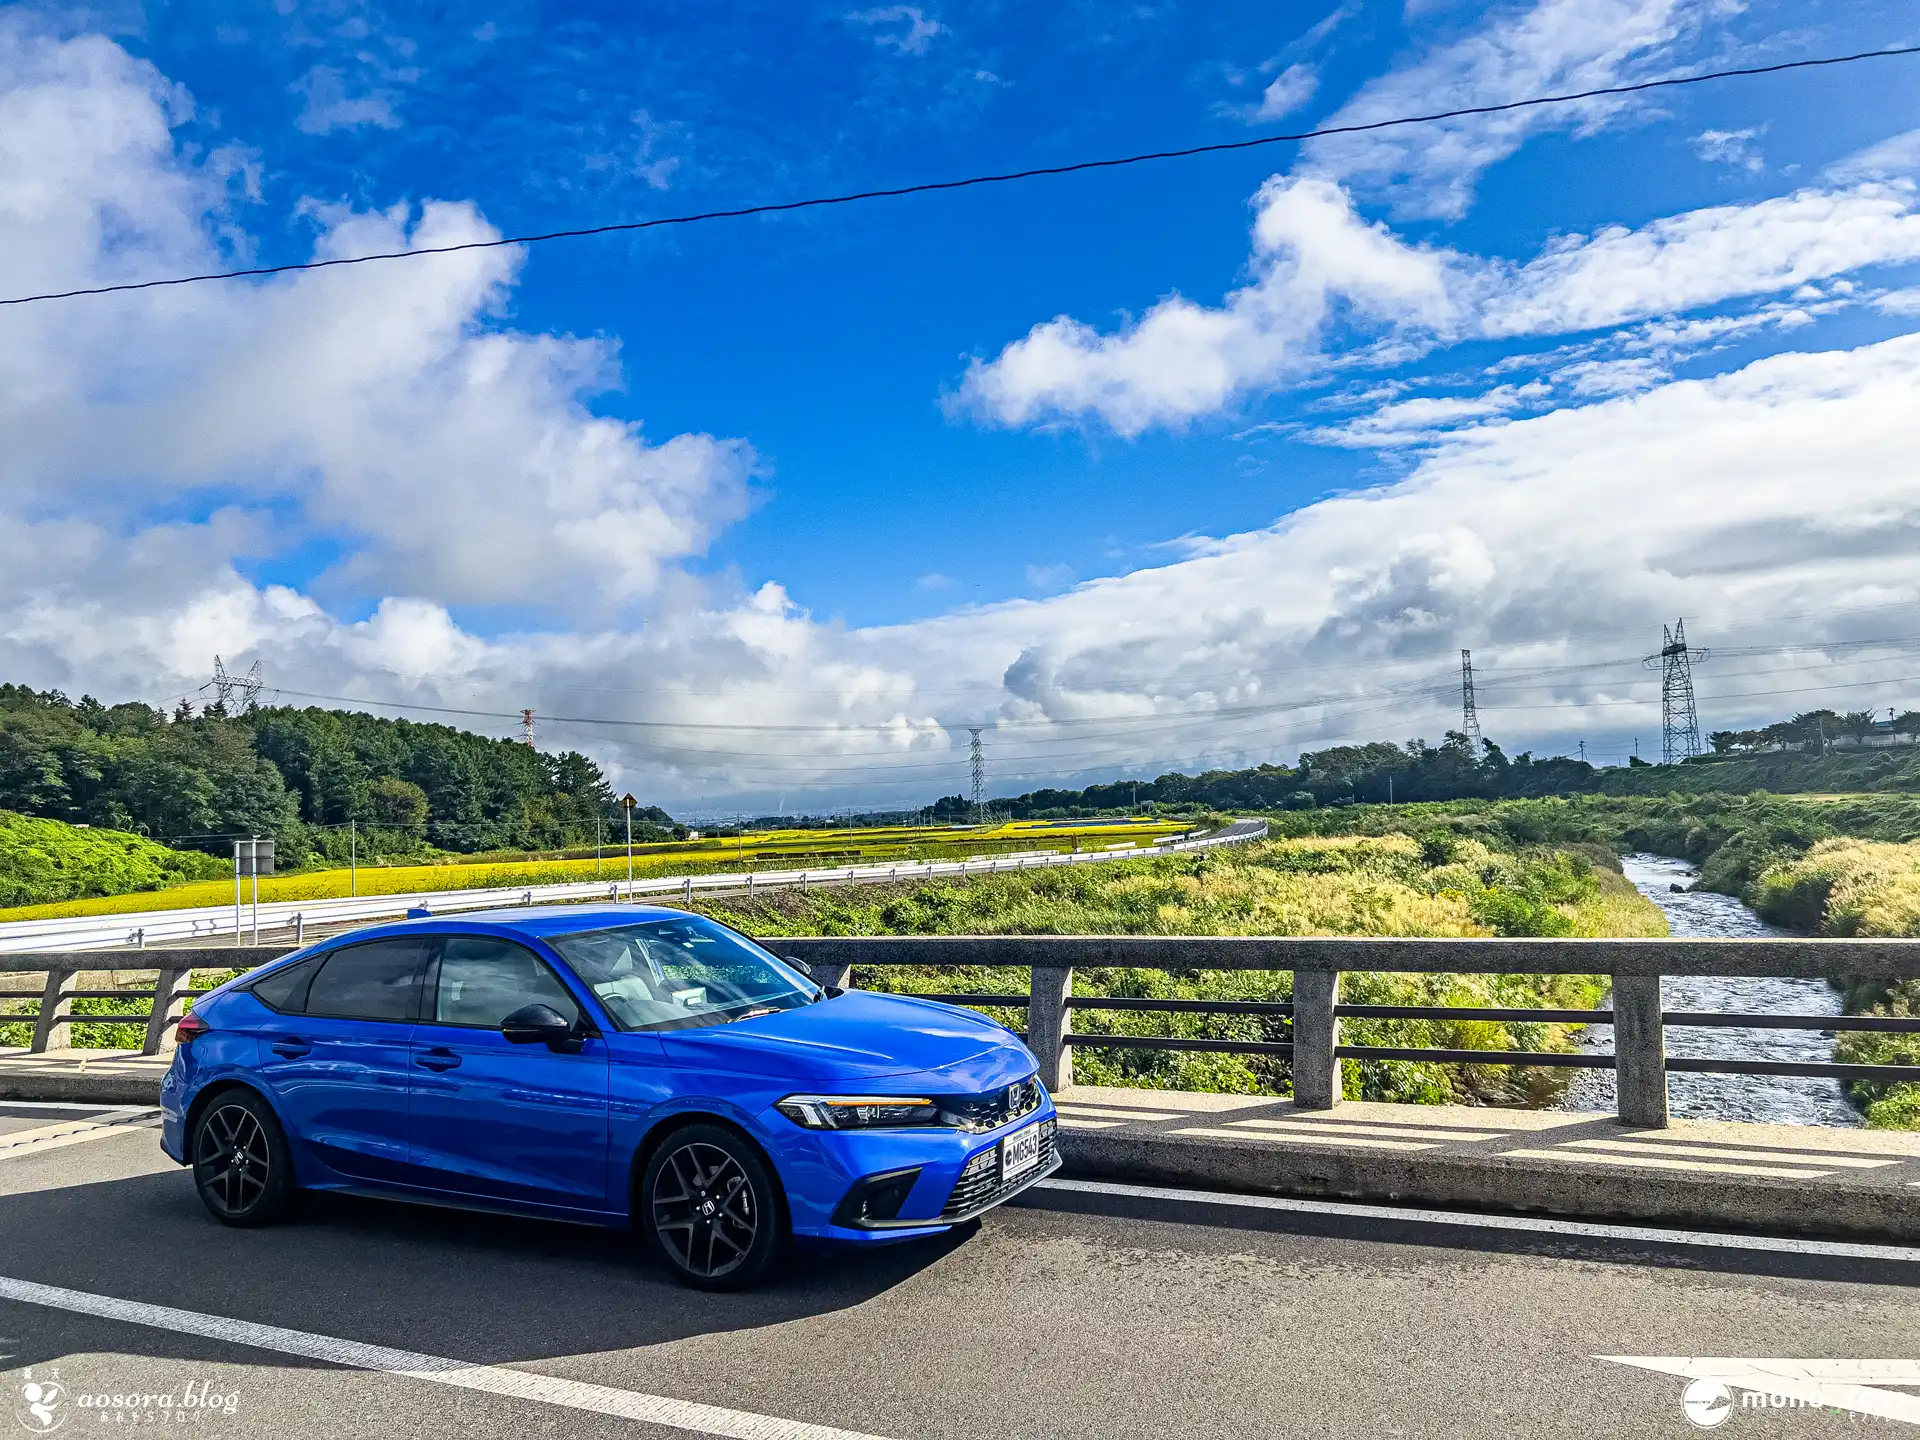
pixel 860 1035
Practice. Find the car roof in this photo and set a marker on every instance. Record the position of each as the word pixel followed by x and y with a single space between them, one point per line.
pixel 522 920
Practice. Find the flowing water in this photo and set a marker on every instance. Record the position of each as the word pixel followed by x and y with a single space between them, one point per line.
pixel 1780 1100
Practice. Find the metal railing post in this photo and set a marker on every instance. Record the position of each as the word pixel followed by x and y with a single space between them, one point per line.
pixel 167 1007
pixel 50 1032
pixel 1316 1040
pixel 1047 1024
pixel 1639 1051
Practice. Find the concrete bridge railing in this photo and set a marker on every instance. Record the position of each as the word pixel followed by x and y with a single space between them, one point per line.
pixel 1312 1018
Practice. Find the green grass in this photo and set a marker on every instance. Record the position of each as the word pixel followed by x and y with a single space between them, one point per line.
pixel 1382 885
pixel 47 861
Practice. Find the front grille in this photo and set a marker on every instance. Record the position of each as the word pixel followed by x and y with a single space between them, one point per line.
pixel 994 1108
pixel 981 1185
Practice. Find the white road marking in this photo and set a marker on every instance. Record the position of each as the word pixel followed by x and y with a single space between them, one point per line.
pixel 20 1143
pixel 1581 1229
pixel 493 1379
pixel 1848 1384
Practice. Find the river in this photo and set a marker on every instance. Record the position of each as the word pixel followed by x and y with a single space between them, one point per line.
pixel 1781 1100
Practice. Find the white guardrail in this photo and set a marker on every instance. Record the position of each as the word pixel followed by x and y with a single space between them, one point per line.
pixel 157 927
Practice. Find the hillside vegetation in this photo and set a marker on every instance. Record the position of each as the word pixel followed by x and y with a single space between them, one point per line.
pixel 1352 885
pixel 298 775
pixel 44 860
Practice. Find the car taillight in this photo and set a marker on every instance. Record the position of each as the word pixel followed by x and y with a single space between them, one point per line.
pixel 190 1025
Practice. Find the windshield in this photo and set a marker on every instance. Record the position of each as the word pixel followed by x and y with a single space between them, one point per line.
pixel 667 974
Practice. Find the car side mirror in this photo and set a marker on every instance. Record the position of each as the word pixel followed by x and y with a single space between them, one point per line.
pixel 538 1024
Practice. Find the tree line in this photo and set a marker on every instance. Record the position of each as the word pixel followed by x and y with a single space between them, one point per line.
pixel 309 778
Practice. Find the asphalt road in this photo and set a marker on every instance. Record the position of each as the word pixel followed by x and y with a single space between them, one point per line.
pixel 1072 1316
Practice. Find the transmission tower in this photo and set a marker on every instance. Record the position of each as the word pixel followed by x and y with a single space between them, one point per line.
pixel 977 764
pixel 526 728
pixel 227 687
pixel 1469 713
pixel 1679 719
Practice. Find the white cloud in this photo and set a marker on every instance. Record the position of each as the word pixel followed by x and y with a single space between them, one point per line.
pixel 1611 377
pixel 1311 252
pixel 1895 158
pixel 1287 92
pixel 904 28
pixel 328 106
pixel 1730 147
pixel 1317 264
pixel 1549 47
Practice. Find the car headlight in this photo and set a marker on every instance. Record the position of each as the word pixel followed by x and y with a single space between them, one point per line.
pixel 857 1112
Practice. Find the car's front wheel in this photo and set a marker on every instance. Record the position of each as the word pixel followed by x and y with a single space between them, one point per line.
pixel 712 1208
pixel 240 1161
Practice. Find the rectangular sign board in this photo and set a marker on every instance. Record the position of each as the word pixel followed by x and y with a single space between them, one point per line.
pixel 253 857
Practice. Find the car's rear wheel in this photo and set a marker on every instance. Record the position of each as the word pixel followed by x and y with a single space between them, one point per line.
pixel 240 1161
pixel 712 1208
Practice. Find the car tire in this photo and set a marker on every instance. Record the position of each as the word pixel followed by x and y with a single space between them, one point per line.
pixel 241 1165
pixel 712 1209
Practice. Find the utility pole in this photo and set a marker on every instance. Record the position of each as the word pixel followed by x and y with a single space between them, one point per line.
pixel 1583 752
pixel 1679 718
pixel 353 857
pixel 627 803
pixel 1469 712
pixel 977 765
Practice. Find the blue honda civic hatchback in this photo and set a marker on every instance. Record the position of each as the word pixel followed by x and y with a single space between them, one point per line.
pixel 622 1065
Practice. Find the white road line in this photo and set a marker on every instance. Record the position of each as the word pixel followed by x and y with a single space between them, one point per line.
pixel 493 1379
pixel 1583 1229
pixel 20 1143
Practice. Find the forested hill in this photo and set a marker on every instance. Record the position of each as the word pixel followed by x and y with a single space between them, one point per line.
pixel 1378 772
pixel 199 780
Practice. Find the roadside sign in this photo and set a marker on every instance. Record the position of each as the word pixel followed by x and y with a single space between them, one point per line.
pixel 627 802
pixel 253 857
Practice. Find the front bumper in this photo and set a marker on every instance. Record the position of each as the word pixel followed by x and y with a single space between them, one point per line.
pixel 822 1172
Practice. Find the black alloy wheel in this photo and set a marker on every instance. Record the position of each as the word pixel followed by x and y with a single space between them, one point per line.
pixel 240 1162
pixel 712 1209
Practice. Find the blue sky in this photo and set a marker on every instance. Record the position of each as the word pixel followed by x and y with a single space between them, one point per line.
pixel 1049 455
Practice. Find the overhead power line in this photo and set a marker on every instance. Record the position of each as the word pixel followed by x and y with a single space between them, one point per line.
pixel 928 187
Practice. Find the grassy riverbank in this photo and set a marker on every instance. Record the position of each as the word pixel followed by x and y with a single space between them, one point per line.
pixel 1321 885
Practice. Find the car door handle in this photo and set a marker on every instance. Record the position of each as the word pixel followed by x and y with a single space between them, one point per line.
pixel 438 1058
pixel 291 1048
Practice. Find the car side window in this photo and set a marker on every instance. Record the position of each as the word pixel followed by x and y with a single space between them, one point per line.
pixel 481 981
pixel 373 981
pixel 285 989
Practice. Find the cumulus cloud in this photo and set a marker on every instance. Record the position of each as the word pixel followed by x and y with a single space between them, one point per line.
pixel 1317 262
pixel 1549 47
pixel 1311 254
pixel 381 411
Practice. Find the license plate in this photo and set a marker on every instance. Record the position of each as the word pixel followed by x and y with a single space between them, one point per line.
pixel 1019 1153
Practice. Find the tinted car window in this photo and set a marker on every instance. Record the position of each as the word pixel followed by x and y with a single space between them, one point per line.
pixel 670 974
pixel 482 981
pixel 285 989
pixel 374 981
